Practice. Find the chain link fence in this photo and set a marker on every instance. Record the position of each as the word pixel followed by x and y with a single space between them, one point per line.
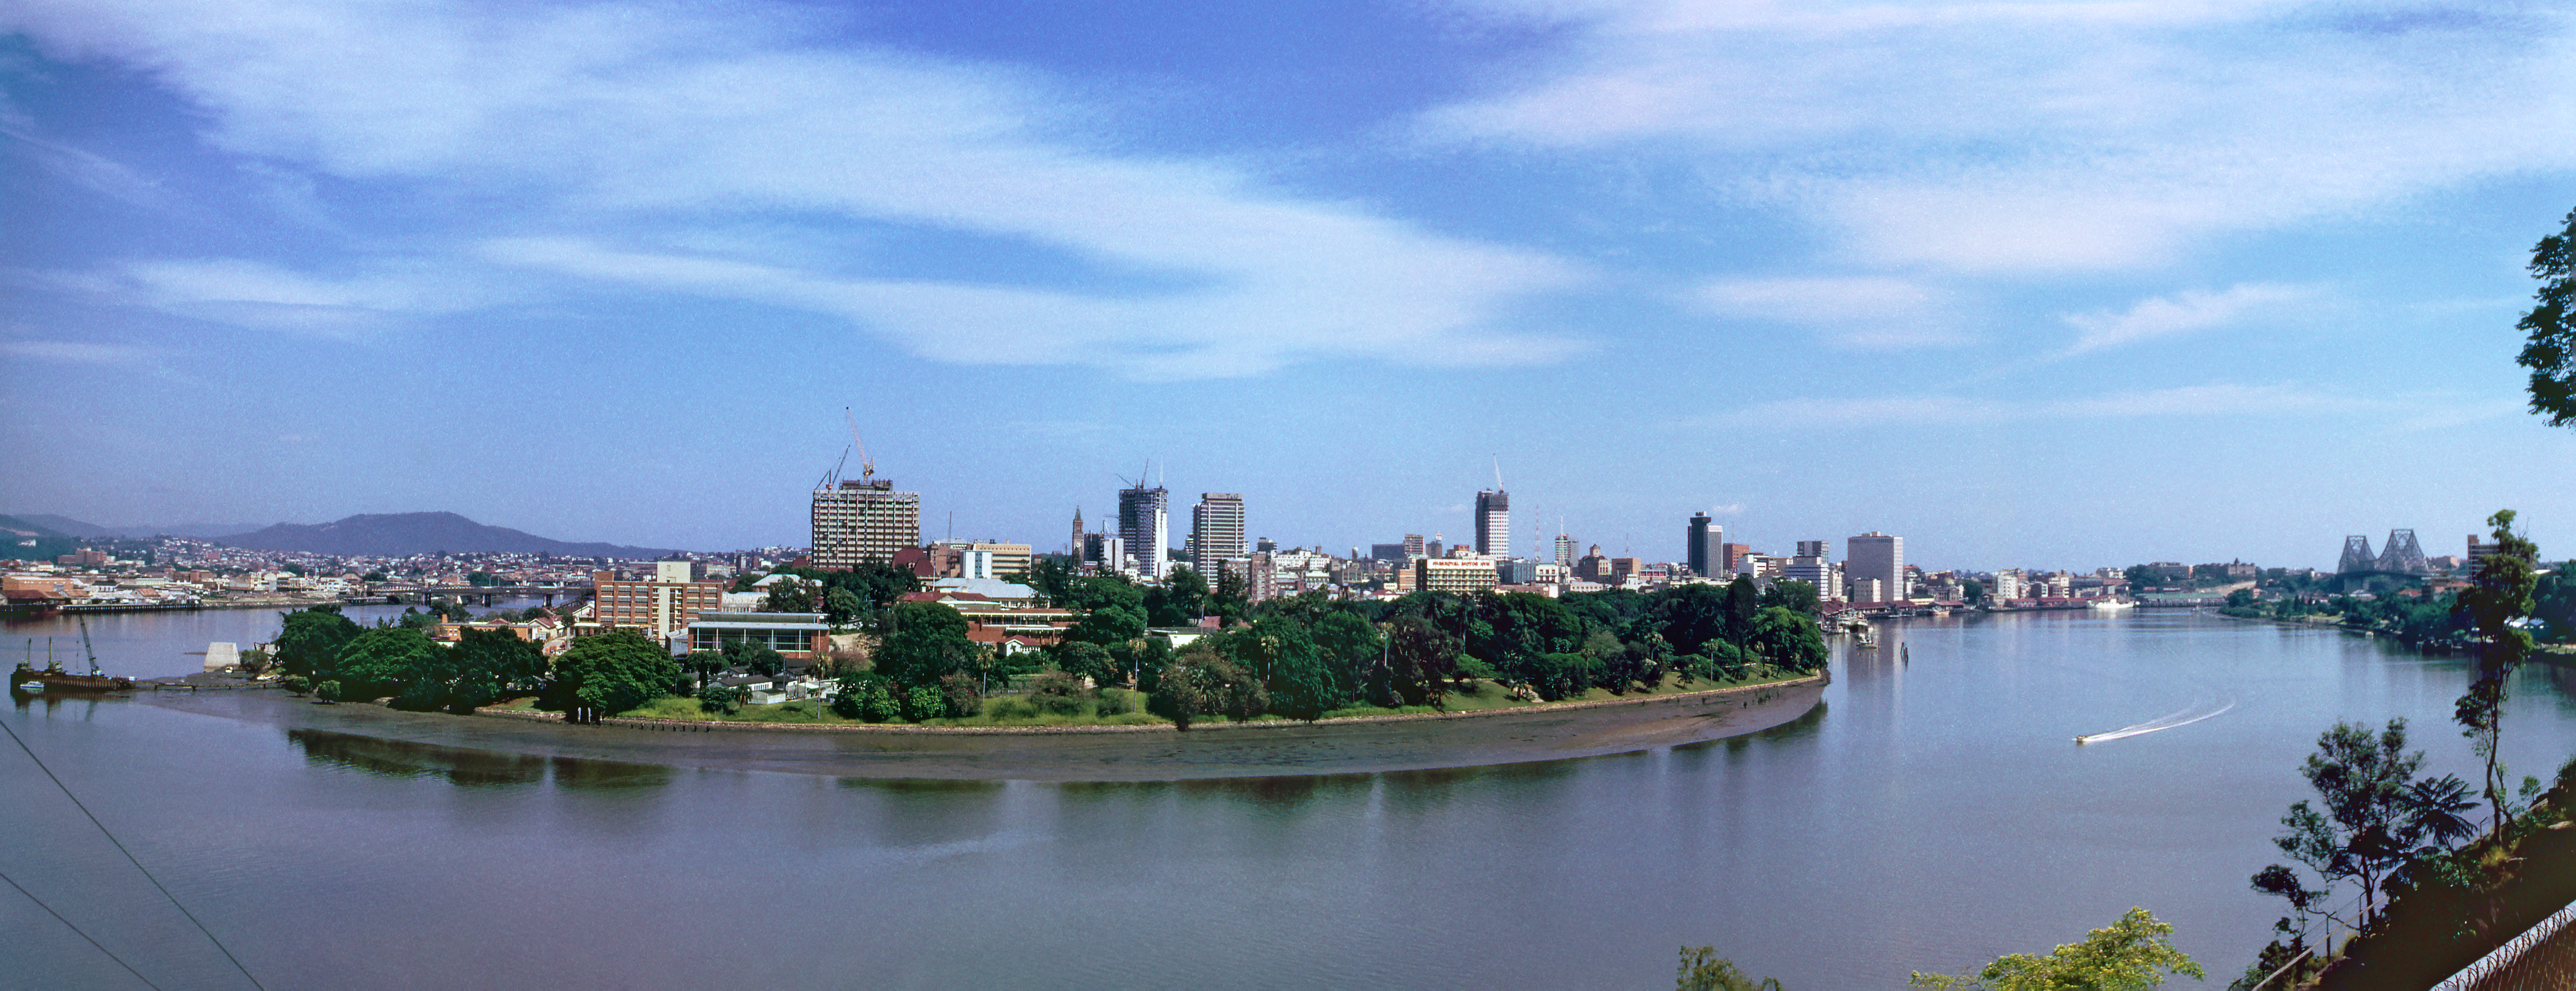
pixel 2543 958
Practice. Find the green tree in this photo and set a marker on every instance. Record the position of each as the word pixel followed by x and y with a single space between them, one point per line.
pixel 2132 954
pixel 924 702
pixel 389 661
pixel 867 696
pixel 793 595
pixel 924 642
pixel 481 579
pixel 309 640
pixel 2500 594
pixel 1420 657
pixel 704 665
pixel 1787 639
pixel 1973 592
pixel 1693 615
pixel 841 605
pixel 488 664
pixel 1179 601
pixel 1703 970
pixel 718 700
pixel 326 691
pixel 2550 349
pixel 1109 624
pixel 612 672
pixel 1795 596
pixel 2376 816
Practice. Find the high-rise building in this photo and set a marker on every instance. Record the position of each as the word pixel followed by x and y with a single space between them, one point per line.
pixel 1216 531
pixel 864 520
pixel 1875 555
pixel 1494 523
pixel 1144 521
pixel 1388 552
pixel 1812 548
pixel 1565 550
pixel 658 606
pixel 1705 546
pixel 1075 548
pixel 1415 547
pixel 1734 557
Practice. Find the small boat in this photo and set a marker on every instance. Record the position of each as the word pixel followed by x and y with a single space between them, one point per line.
pixel 2113 602
pixel 58 678
pixel 31 686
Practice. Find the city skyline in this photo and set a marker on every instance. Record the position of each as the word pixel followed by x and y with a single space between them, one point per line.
pixel 2040 285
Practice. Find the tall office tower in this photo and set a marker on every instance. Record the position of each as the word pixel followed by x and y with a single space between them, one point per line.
pixel 1705 546
pixel 1811 548
pixel 864 520
pixel 1875 555
pixel 1144 522
pixel 1216 530
pixel 1494 523
pixel 1565 550
pixel 1414 547
pixel 1075 548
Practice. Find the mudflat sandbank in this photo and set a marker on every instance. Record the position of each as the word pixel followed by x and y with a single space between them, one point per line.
pixel 1209 749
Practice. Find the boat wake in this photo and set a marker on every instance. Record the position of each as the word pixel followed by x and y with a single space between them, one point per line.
pixel 2194 713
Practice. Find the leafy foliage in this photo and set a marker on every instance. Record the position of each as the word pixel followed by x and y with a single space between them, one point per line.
pixel 2549 349
pixel 2376 816
pixel 2132 954
pixel 309 640
pixel 2500 594
pixel 1703 970
pixel 613 672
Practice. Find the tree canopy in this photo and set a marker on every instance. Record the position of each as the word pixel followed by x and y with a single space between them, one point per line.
pixel 2549 349
pixel 613 672
pixel 2133 954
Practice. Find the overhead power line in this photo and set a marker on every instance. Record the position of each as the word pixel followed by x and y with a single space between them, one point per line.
pixel 76 930
pixel 129 856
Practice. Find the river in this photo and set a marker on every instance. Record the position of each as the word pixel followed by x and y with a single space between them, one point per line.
pixel 1929 815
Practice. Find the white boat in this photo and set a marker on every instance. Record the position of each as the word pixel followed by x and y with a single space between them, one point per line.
pixel 2112 603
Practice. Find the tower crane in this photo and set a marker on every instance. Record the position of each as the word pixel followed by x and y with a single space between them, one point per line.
pixel 867 465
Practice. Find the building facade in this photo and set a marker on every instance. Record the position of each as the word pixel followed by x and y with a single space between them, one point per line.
pixel 1878 556
pixel 1454 574
pixel 1216 531
pixel 1494 523
pixel 1145 525
pixel 1704 546
pixel 658 607
pixel 864 520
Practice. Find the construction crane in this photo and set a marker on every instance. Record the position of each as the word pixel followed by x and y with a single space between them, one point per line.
pixel 867 465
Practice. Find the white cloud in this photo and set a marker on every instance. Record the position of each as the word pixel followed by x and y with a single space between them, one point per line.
pixel 272 297
pixel 82 352
pixel 2188 312
pixel 2005 138
pixel 1859 312
pixel 614 132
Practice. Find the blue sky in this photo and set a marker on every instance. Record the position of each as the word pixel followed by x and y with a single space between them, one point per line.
pixel 2043 284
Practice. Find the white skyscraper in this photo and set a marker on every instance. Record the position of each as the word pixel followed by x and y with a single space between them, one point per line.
pixel 1216 532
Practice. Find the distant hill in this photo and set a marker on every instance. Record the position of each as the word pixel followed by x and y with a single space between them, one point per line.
pixel 23 539
pixel 399 534
pixel 76 528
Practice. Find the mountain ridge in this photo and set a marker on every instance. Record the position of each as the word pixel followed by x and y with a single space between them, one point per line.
pixel 403 534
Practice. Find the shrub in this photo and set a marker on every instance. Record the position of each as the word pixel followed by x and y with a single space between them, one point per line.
pixel 327 691
pixel 717 700
pixel 925 702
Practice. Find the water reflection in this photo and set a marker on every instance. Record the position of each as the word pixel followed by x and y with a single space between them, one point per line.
pixel 468 768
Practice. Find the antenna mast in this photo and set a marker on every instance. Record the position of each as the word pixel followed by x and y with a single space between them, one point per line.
pixel 1498 473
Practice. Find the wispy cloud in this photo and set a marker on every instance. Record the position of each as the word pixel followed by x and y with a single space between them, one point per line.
pixel 81 352
pixel 1976 137
pixel 1858 312
pixel 606 135
pixel 271 297
pixel 2184 313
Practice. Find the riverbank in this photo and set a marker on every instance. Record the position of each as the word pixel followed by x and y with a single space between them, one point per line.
pixel 1354 745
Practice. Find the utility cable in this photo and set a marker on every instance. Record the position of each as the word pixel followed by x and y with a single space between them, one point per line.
pixel 129 855
pixel 76 930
